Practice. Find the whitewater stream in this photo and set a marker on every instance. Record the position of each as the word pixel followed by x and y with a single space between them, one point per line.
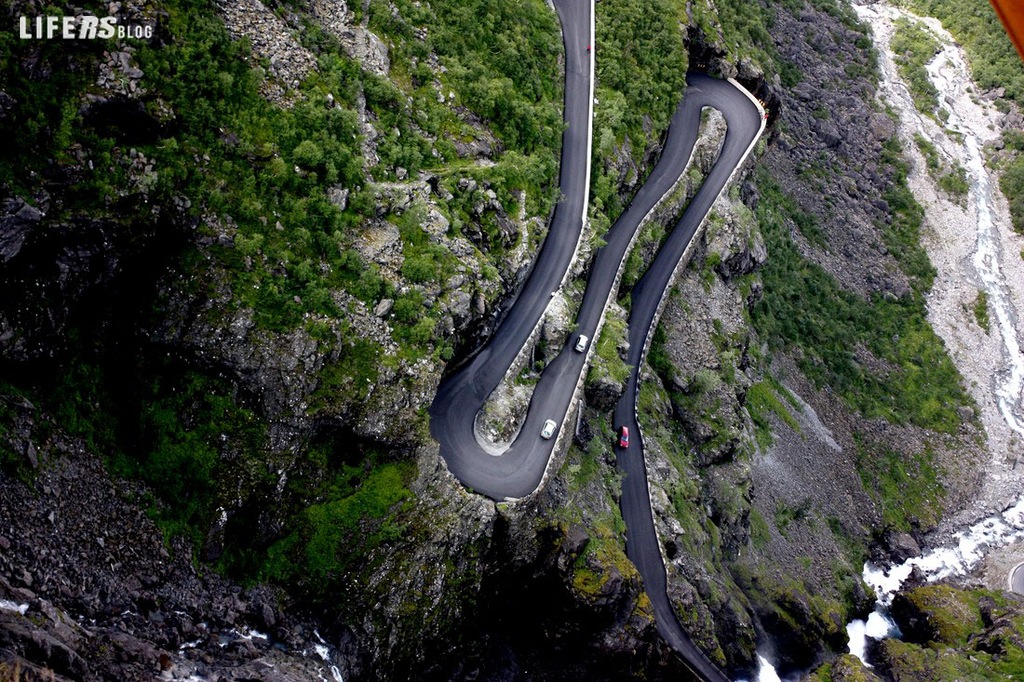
pixel 974 250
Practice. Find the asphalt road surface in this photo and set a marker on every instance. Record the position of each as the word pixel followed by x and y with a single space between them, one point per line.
pixel 642 547
pixel 1017 579
pixel 519 470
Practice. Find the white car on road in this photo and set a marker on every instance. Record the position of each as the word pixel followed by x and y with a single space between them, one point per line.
pixel 548 430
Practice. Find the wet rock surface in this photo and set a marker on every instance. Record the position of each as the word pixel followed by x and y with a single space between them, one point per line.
pixel 951 633
pixel 18 220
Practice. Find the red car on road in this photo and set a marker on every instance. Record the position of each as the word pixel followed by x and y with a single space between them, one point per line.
pixel 623 437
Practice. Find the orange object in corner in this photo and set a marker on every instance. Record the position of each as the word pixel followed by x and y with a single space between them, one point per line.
pixel 1011 13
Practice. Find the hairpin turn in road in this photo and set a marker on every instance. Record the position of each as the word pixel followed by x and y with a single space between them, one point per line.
pixel 519 471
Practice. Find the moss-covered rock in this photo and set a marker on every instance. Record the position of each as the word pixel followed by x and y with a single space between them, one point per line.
pixel 955 634
pixel 846 668
pixel 937 613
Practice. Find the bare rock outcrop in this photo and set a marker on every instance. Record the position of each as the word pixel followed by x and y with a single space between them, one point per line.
pixel 272 40
pixel 357 40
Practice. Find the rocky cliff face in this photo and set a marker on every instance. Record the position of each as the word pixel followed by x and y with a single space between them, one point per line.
pixel 950 633
pixel 138 375
pixel 89 589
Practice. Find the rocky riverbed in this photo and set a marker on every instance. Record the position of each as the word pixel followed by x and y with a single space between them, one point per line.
pixel 973 248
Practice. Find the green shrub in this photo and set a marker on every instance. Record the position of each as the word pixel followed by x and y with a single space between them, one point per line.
pixel 951 179
pixel 929 151
pixel 980 308
pixel 913 46
pixel 1011 182
pixel 955 182
pixel 308 154
pixel 785 515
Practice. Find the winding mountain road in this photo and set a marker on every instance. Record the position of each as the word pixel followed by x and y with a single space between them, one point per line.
pixel 745 122
pixel 519 470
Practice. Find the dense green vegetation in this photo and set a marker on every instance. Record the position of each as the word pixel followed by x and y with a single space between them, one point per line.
pixel 356 508
pixel 279 196
pixel 607 361
pixel 902 235
pixel 294 246
pixel 762 401
pixel 502 57
pixel 955 182
pixel 1012 185
pixel 906 487
pixel 503 64
pixel 1011 182
pixel 641 64
pixel 264 170
pixel 642 59
pixel 839 334
pixel 746 29
pixel 271 184
pixel 47 121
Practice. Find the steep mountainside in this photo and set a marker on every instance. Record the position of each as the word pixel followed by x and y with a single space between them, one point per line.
pixel 239 255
